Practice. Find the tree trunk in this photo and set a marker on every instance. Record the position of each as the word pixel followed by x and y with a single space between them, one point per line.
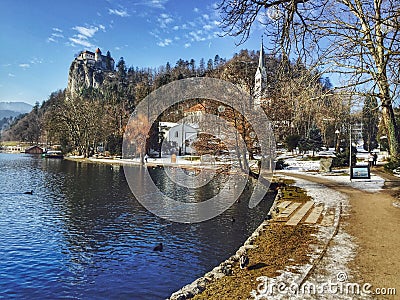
pixel 391 130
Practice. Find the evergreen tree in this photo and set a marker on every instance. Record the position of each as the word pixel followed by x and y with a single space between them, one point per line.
pixel 210 65
pixel 108 61
pixel 217 61
pixel 315 139
pixel 192 65
pixel 202 67
pixel 370 121
pixel 292 141
pixel 121 68
pixel 168 68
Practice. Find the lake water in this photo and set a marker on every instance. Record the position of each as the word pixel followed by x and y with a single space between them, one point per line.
pixel 82 234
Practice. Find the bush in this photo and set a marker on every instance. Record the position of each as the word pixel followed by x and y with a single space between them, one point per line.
pixel 392 165
pixel 342 158
pixel 292 141
pixel 280 164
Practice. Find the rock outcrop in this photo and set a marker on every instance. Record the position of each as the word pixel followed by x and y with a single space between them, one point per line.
pixel 89 70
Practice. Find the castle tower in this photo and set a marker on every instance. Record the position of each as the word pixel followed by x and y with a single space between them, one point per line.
pixel 97 55
pixel 260 77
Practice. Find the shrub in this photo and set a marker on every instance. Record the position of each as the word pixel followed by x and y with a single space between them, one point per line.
pixel 392 165
pixel 280 164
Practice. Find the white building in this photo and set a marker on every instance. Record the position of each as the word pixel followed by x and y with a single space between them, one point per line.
pixel 182 135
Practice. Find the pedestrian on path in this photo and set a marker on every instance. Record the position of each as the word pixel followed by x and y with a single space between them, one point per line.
pixel 371 159
pixel 375 158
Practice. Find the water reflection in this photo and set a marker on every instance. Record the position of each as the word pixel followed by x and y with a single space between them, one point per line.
pixel 82 234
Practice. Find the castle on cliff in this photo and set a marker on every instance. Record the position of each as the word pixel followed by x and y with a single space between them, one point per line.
pixel 89 70
pixel 97 60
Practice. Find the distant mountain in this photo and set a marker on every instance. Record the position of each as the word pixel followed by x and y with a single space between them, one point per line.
pixel 19 107
pixel 4 113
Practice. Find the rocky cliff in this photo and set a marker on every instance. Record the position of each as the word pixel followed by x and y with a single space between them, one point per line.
pixel 87 73
pixel 82 76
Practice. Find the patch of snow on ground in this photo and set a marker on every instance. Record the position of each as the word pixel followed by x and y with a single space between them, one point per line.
pixel 342 249
pixel 320 193
pixel 331 268
pixel 295 164
pixel 373 185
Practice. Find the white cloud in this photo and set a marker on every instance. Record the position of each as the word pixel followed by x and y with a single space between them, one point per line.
pixel 175 27
pixel 154 3
pixel 86 31
pixel 206 17
pixel 197 36
pixel 102 27
pixel 56 35
pixel 207 27
pixel 118 12
pixel 187 45
pixel 11 75
pixel 81 41
pixel 196 10
pixel 83 35
pixel 24 66
pixel 164 20
pixel 164 43
pixel 36 60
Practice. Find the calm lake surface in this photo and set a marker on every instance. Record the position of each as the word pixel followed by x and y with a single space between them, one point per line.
pixel 82 234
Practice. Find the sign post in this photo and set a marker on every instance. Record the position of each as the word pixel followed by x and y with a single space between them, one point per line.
pixel 360 172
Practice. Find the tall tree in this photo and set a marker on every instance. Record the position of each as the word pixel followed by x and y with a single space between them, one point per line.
pixel 136 136
pixel 370 122
pixel 357 39
pixel 121 68
pixel 108 61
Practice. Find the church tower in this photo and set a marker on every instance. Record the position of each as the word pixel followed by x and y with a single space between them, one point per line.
pixel 260 78
pixel 97 55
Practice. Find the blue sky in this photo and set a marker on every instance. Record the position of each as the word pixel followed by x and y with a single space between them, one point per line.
pixel 40 38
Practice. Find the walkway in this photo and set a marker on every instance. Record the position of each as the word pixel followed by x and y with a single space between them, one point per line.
pixel 375 225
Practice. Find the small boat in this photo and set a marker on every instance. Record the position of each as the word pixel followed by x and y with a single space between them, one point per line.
pixel 53 154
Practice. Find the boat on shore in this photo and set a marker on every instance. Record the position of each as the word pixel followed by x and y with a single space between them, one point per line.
pixel 53 154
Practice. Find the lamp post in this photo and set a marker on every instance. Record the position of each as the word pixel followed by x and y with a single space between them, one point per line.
pixel 350 152
pixel 337 132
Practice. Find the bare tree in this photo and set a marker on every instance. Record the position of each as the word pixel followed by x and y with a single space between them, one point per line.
pixel 359 40
pixel 136 136
pixel 81 123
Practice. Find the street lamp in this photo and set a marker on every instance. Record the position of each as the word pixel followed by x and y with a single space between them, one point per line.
pixel 337 132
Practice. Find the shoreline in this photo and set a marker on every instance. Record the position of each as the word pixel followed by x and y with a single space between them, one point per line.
pixel 217 283
pixel 155 163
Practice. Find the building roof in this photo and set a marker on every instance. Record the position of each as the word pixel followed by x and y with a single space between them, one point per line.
pixel 194 108
pixel 32 147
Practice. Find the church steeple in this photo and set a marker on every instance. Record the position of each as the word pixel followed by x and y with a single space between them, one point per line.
pixel 261 58
pixel 260 77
